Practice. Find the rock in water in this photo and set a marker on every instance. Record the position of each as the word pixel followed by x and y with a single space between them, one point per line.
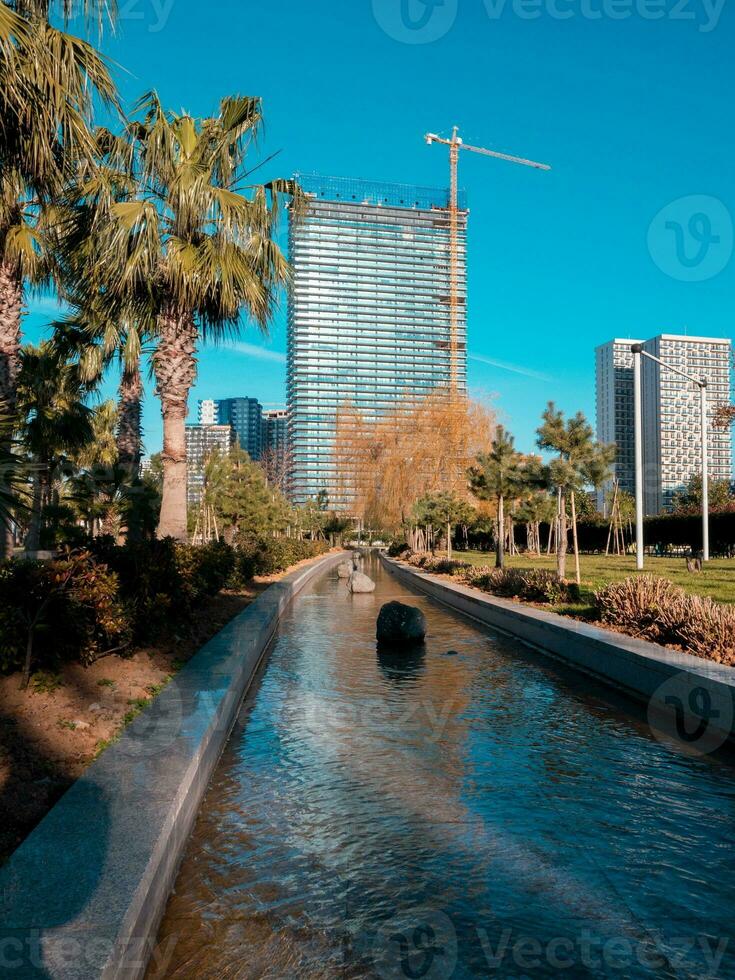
pixel 344 569
pixel 359 582
pixel 397 621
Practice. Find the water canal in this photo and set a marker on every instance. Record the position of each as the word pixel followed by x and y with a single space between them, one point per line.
pixel 485 813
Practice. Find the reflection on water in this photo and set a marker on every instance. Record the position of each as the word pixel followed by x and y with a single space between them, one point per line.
pixel 478 814
pixel 402 666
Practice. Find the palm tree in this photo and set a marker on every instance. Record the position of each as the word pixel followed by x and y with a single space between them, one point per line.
pixel 503 474
pixel 105 328
pixel 198 249
pixel 13 490
pixel 48 80
pixel 56 424
pixel 92 11
pixel 93 337
pixel 121 342
pixel 95 342
pixel 101 448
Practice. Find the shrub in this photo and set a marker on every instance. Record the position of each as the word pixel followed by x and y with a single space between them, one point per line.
pixel 658 610
pixel 90 602
pixel 163 581
pixel 531 585
pixel 434 563
pixel 267 556
pixel 61 610
pixel 155 579
pixel 708 629
pixel 448 566
pixel 643 603
pixel 398 549
pixel 213 566
pixel 276 554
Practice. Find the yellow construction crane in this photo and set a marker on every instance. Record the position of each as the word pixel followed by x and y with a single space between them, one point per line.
pixel 455 144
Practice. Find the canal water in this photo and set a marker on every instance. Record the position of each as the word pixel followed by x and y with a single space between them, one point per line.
pixel 469 810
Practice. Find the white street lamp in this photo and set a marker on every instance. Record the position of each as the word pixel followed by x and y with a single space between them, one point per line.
pixel 638 417
pixel 638 352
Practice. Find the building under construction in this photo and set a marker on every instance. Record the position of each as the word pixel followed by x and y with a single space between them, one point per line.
pixel 377 314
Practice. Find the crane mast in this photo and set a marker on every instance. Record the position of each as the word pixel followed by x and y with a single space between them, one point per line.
pixel 453 263
pixel 456 144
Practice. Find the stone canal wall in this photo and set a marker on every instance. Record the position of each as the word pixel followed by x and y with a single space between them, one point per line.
pixel 83 896
pixel 690 699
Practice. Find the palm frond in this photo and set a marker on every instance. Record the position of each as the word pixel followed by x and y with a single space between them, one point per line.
pixel 14 495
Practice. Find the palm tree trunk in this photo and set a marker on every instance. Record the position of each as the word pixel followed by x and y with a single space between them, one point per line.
pixel 174 364
pixel 499 551
pixel 11 306
pixel 33 538
pixel 129 433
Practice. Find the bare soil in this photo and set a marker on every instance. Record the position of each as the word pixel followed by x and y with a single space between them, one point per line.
pixel 49 734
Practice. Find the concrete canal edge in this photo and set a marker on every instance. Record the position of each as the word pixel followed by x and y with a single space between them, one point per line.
pixel 690 699
pixel 83 895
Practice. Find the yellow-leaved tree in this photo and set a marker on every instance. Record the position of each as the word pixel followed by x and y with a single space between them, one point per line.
pixel 385 464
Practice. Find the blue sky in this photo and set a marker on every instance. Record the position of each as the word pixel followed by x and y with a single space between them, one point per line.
pixel 630 101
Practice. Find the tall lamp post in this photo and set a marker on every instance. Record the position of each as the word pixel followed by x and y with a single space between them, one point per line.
pixel 638 353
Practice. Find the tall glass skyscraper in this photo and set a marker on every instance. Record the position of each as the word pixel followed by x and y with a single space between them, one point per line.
pixel 369 314
pixel 244 415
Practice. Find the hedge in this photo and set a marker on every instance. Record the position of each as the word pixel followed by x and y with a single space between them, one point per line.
pixel 661 534
pixel 103 598
pixel 267 555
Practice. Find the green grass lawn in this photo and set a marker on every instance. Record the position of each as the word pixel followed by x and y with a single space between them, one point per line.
pixel 716 580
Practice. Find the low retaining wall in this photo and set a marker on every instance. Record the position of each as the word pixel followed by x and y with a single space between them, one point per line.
pixel 690 699
pixel 83 896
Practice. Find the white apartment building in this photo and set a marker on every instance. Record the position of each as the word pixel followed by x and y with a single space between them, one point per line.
pixel 671 412
pixel 672 431
pixel 201 440
pixel 207 411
